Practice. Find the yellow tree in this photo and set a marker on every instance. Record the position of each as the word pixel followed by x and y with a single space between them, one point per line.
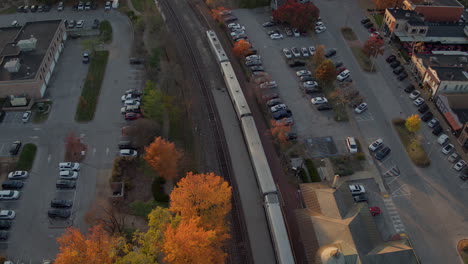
pixel 319 55
pixel 96 247
pixel 204 195
pixel 326 71
pixel 241 48
pixel 163 157
pixel 413 123
pixel 186 242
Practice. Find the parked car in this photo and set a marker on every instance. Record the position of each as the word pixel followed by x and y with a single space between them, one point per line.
pixel 132 116
pixel 319 100
pixel 269 96
pixel 12 185
pixel 361 108
pixel 295 51
pixel 268 85
pixel 306 78
pixel 15 147
pixel 357 189
pixel 303 73
pixel 9 195
pixel 433 122
pixel 60 203
pixel 288 121
pixel 343 75
pixel 395 64
pixel 330 53
pixel 276 36
pixel 310 84
pixel 323 107
pixel 398 70
pixel 95 24
pixel 410 88
pixel 59 213
pixel 5 224
pixel 418 101
pixel 378 143
pixel 274 102
pixel 71 24
pixel 26 116
pixel 287 53
pixel 60 6
pixel 296 63
pixel 447 149
pixel 382 153
pixel 305 52
pixel 360 198
pixel 365 21
pixel 85 57
pixel 128 153
pixel 278 107
pixel 443 139
pixel 269 24
pixel 423 108
pixel 65 184
pixel 256 69
pixel 390 58
pixel 68 175
pixel 453 157
pixel 3 235
pixel 7 214
pixel 459 165
pixel 427 116
pixel 311 50
pixel 402 76
pixel 15 175
pixel 437 130
pixel 74 166
pixel 282 114
pixel 464 175
pixel 320 29
pixel 250 63
pixel 80 23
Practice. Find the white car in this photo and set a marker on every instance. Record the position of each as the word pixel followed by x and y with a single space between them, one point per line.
pixel 14 175
pixel 459 165
pixel 361 108
pixel 128 153
pixel 343 75
pixel 26 116
pixel 295 51
pixel 75 166
pixel 310 84
pixel 276 36
pixel 131 102
pixel 253 57
pixel 357 189
pixel 447 149
pixel 234 26
pixel 312 50
pixel 130 97
pixel 68 175
pixel 7 214
pixel 296 32
pixel 414 94
pixel 80 23
pixel 419 101
pixel 287 53
pixel 9 195
pixel 376 145
pixel 268 85
pixel 107 6
pixel 319 100
pixel 319 24
pixel 319 30
pixel 303 73
pixel 433 123
pixel 305 52
pixel 278 107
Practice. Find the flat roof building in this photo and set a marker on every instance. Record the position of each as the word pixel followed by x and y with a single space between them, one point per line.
pixel 28 55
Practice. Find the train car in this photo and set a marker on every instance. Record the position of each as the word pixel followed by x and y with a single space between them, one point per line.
pixel 278 232
pixel 216 46
pixel 257 155
pixel 235 91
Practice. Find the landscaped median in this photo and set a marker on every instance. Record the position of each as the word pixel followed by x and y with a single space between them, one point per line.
pixel 26 158
pixel 92 87
pixel 412 144
pixel 356 47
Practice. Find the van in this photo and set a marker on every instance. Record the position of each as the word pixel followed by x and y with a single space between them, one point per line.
pixel 343 75
pixel 442 139
pixel 351 144
pixel 9 195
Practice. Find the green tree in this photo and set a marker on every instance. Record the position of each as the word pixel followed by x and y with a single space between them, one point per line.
pixel 153 104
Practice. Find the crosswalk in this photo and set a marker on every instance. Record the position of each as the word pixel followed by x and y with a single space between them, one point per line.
pixel 394 215
pixel 366 116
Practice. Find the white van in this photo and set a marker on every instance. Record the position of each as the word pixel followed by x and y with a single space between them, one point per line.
pixel 9 195
pixel 351 144
pixel 343 75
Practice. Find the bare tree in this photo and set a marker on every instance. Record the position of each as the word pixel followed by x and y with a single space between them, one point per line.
pixel 110 214
pixel 143 131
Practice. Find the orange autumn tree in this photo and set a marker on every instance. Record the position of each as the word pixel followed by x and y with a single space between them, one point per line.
pixel 326 71
pixel 241 48
pixel 185 241
pixel 163 157
pixel 204 195
pixel 218 13
pixel 279 131
pixel 95 247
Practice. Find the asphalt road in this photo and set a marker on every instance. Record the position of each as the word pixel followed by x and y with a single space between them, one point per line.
pixel 33 235
pixel 430 201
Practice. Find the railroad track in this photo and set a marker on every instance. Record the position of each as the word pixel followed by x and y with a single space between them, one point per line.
pixel 241 252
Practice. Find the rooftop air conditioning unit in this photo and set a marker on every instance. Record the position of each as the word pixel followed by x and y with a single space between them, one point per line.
pixel 12 65
pixel 27 44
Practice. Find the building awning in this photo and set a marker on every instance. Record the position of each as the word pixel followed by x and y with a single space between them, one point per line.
pixel 452 121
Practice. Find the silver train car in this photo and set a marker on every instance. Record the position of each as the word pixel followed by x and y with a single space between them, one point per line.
pixel 278 231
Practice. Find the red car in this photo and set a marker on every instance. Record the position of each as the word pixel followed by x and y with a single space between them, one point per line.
pixel 371 30
pixel 132 116
pixel 374 210
pixel 340 69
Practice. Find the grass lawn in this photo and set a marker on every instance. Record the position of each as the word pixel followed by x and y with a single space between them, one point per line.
pixel 92 87
pixel 26 158
pixel 348 34
pixel 10 10
pixel 106 31
pixel 364 61
pixel 378 19
pixel 412 145
pixel 140 5
pixel 41 115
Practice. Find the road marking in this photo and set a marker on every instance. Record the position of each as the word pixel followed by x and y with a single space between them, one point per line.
pixel 48 158
pixel 36 128
pixel 107 151
pixel 34 137
pixel 94 151
pixel 394 215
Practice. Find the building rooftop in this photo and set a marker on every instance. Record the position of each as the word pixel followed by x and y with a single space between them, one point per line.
pixel 42 31
pixel 439 60
pixel 398 13
pixel 451 73
pixel 446 30
pixel 436 3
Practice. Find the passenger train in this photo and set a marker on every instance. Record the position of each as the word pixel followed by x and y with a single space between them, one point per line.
pixel 278 232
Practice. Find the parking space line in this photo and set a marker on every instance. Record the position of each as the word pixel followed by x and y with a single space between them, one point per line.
pixel 394 215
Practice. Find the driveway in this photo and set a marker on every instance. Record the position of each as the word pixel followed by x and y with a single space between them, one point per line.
pixel 33 235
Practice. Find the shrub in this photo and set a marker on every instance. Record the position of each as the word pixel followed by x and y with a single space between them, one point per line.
pixel 313 173
pixel 158 192
pixel 106 31
pixel 303 176
pixel 360 156
pixel 26 158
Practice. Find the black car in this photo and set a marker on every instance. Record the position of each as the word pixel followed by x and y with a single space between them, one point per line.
pixel 409 88
pixel 33 8
pixel 369 25
pixel 296 63
pixel 323 107
pixel 59 213
pixel 390 58
pixel 20 9
pixel 46 8
pixel 382 153
pixel 2 116
pixel 59 203
pixel 464 175
pixel 5 224
pixel 282 114
pixel 75 35
pixel 256 69
pixel 338 64
pixel 402 76
pixel 137 60
pixel 330 53
pixel 398 70
pixel 65 184
pixel 12 185
pixel 306 78
pixel 395 64
pixel 365 21
pixel 360 198
pixel 427 116
pixel 423 108
pixel 15 147
pixel 437 130
pixel 3 235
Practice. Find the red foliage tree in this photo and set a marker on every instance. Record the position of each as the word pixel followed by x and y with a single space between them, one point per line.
pixel 73 148
pixel 300 16
pixel 241 48
pixel 373 46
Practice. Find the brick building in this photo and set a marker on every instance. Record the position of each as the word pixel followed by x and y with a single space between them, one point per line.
pixel 28 55
pixel 436 10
